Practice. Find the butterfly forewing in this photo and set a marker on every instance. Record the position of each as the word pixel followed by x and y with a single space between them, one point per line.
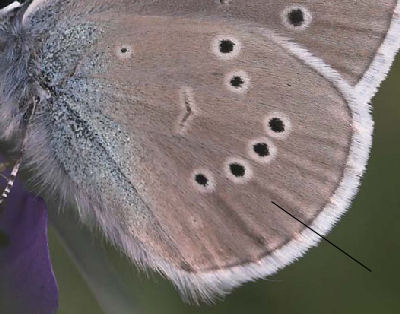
pixel 345 34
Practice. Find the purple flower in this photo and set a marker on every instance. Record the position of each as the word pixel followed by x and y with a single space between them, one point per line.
pixel 27 282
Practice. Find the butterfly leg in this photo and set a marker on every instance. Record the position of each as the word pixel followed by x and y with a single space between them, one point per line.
pixel 10 181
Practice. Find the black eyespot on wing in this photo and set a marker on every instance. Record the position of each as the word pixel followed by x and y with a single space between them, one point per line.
pixel 237 82
pixel 237 169
pixel 201 179
pixel 296 17
pixel 124 51
pixel 261 149
pixel 277 125
pixel 226 46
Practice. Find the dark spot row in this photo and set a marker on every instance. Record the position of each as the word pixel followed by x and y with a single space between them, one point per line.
pixel 261 150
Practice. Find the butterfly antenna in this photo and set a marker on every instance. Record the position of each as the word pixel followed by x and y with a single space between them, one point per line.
pixel 10 180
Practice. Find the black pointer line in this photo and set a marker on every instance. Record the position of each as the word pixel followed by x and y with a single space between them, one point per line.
pixel 334 245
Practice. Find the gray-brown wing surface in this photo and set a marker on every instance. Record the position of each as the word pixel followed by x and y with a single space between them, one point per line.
pixel 219 140
pixel 345 34
pixel 187 123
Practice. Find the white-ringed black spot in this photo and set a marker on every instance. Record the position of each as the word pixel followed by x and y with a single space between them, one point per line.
pixel 238 170
pixel 277 125
pixel 226 47
pixel 262 150
pixel 203 180
pixel 237 81
pixel 296 17
pixel 123 51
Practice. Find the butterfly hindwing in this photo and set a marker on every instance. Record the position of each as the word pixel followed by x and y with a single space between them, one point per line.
pixel 196 120
pixel 184 120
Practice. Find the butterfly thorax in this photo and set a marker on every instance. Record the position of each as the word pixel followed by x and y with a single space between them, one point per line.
pixel 74 147
pixel 70 142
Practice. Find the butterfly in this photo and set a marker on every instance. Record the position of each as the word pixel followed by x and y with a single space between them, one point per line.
pixel 174 126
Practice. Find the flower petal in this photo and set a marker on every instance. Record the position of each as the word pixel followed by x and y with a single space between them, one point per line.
pixel 27 282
